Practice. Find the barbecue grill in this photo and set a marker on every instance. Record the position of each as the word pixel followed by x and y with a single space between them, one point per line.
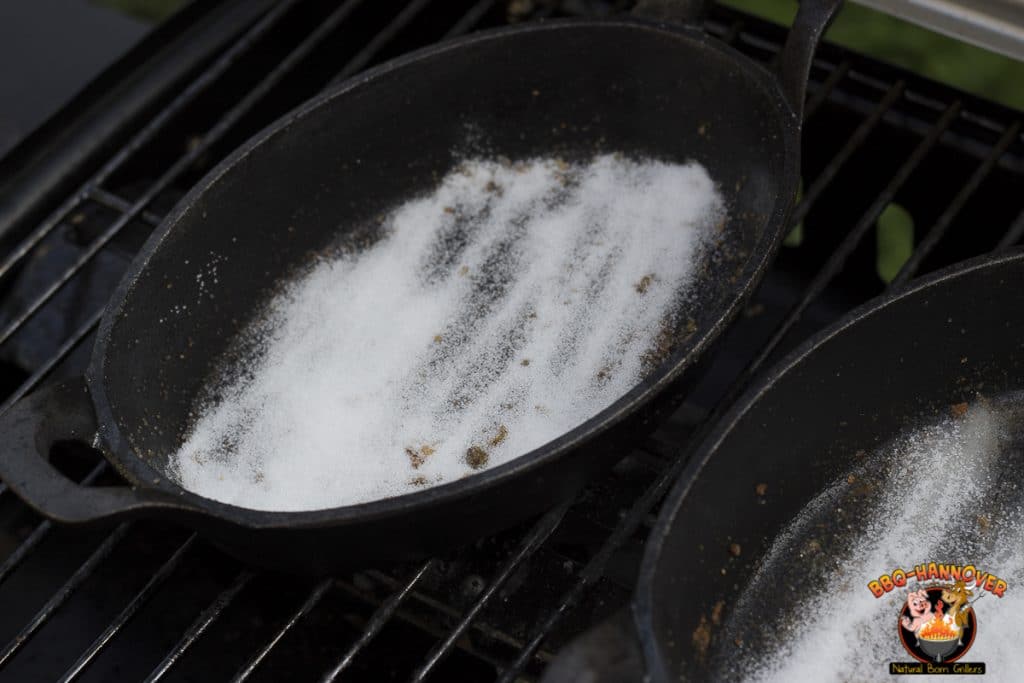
pixel 149 600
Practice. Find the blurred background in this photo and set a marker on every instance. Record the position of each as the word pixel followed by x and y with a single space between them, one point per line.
pixel 93 33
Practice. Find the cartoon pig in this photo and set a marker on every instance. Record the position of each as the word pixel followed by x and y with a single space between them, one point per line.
pixel 920 611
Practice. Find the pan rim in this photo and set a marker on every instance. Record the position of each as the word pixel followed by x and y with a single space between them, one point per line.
pixel 119 452
pixel 642 606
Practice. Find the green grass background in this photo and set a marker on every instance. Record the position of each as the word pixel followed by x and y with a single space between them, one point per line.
pixel 948 60
pixel 925 52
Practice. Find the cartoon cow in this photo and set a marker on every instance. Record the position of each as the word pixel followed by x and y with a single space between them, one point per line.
pixel 920 609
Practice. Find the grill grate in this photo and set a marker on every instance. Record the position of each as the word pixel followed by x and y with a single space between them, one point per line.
pixel 146 600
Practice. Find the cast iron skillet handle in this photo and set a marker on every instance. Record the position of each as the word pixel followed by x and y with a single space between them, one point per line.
pixel 812 19
pixel 62 412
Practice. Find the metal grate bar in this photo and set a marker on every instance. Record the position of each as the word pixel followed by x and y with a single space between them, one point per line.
pixel 470 19
pixel 232 116
pixel 60 597
pixel 199 626
pixel 733 33
pixel 383 37
pixel 377 621
pixel 444 611
pixel 318 592
pixel 1014 234
pixel 853 143
pixel 148 132
pixel 43 371
pixel 12 561
pixel 533 540
pixel 596 566
pixel 119 204
pixel 938 230
pixel 821 94
pixel 837 259
pixel 771 46
pixel 129 610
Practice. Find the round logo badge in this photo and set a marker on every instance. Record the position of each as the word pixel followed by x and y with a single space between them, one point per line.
pixel 937 624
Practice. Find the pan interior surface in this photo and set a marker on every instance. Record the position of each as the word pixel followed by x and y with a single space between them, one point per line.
pixel 947 491
pixel 810 437
pixel 326 173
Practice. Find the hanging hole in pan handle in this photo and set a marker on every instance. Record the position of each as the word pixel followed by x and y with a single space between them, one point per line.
pixel 812 19
pixel 31 427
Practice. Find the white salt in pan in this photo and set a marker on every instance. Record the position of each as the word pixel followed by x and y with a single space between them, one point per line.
pixel 951 492
pixel 495 314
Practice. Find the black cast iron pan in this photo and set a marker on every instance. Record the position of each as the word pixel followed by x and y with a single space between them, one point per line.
pixel 632 85
pixel 895 362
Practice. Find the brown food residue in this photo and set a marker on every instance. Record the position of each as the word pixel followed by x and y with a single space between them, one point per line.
pixel 419 480
pixel 464 271
pixel 702 638
pixel 438 338
pixel 716 612
pixel 761 489
pixel 524 362
pixel 449 209
pixel 735 549
pixel 958 409
pixel 663 345
pixel 476 457
pixel 500 436
pixel 418 457
pixel 645 282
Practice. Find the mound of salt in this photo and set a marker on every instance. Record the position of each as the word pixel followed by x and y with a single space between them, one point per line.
pixel 949 491
pixel 500 311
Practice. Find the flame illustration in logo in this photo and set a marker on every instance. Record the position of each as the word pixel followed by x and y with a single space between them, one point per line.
pixel 938 629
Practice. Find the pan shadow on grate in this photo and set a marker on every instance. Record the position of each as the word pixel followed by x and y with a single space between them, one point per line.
pixel 146 600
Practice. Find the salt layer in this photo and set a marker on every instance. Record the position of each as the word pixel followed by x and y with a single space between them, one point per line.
pixel 951 492
pixel 494 314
